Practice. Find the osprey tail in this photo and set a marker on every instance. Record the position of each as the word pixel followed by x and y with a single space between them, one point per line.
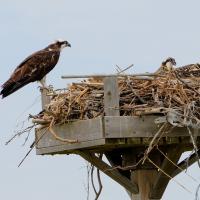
pixel 9 87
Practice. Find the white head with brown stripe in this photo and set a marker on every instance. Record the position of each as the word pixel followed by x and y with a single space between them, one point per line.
pixel 168 64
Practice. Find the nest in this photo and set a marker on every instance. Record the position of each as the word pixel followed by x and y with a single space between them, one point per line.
pixel 168 95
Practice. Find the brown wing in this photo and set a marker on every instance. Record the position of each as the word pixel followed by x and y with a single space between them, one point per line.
pixel 192 70
pixel 33 68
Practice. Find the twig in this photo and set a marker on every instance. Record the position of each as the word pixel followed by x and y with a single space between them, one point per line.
pixel 182 81
pixel 100 184
pixel 175 164
pixel 88 182
pixel 92 179
pixel 120 71
pixel 168 175
pixel 57 137
pixel 26 138
pixel 128 167
pixel 99 181
pixel 26 130
pixel 196 193
pixel 32 146
pixel 123 70
pixel 151 145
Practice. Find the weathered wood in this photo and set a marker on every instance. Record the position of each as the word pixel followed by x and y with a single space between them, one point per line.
pixel 44 97
pixel 134 126
pixel 83 130
pixel 125 132
pixel 71 148
pixel 112 173
pixel 186 163
pixel 144 179
pixel 111 96
pixel 111 108
pixel 161 181
pixel 107 75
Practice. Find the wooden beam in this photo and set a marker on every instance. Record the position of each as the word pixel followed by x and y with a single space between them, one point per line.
pixel 186 163
pixel 108 75
pixel 112 173
pixel 161 181
pixel 70 148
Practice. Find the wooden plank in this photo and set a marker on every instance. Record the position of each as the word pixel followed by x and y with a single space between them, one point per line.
pixel 161 181
pixel 70 148
pixel 134 126
pixel 82 130
pixel 111 96
pixel 112 173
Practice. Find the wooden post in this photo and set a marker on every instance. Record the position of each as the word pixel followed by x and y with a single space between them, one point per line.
pixel 44 98
pixel 111 96
pixel 161 180
pixel 111 108
pixel 144 179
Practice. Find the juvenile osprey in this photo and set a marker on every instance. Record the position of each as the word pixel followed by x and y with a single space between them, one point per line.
pixel 34 67
pixel 166 66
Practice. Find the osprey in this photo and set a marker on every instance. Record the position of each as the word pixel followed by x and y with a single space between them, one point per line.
pixel 34 67
pixel 166 66
pixel 185 72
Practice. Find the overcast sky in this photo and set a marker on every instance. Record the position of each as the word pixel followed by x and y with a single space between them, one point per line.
pixel 102 34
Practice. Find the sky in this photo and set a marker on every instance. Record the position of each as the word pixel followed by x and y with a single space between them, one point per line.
pixel 102 34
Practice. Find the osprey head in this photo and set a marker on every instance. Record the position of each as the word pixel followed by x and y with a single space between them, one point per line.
pixel 171 60
pixel 169 63
pixel 59 44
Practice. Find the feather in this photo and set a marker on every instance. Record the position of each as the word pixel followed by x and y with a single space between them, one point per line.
pixel 33 68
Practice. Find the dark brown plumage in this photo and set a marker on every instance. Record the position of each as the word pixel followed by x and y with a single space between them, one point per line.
pixel 34 67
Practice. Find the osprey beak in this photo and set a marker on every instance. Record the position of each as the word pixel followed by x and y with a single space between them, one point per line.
pixel 68 45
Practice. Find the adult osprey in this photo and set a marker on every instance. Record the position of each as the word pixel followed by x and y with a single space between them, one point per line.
pixel 34 67
pixel 166 66
pixel 184 72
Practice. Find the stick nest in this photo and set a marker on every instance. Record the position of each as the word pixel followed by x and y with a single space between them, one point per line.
pixel 175 98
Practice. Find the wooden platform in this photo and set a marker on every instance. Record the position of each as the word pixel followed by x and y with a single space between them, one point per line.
pixel 123 140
